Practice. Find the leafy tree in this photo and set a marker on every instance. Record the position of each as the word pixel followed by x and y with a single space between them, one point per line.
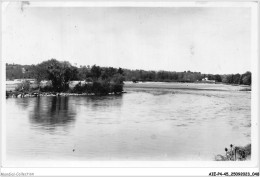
pixel 117 83
pixel 246 78
pixel 218 78
pixel 95 72
pixel 120 71
pixel 59 73
pixel 236 79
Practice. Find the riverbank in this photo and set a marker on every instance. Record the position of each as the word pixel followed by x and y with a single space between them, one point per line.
pixel 187 86
pixel 16 94
pixel 140 85
pixel 11 85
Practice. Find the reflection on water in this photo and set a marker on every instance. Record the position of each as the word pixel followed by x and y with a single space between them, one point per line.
pixel 52 111
pixel 144 124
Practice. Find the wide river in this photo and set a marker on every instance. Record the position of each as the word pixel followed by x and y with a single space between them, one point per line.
pixel 150 122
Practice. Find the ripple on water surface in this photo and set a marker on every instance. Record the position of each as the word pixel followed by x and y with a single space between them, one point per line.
pixel 144 124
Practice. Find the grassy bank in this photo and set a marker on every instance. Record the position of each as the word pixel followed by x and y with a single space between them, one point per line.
pixel 187 86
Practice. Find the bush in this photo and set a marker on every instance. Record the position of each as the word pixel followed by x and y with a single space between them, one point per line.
pixel 82 88
pixel 88 88
pixel 23 87
pixel 78 88
pixel 101 87
pixel 116 88
pixel 47 88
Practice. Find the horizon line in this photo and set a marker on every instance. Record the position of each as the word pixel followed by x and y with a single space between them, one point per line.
pixel 76 65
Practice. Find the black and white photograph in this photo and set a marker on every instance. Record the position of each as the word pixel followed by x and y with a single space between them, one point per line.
pixel 113 84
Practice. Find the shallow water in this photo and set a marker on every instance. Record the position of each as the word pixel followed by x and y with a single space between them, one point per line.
pixel 143 124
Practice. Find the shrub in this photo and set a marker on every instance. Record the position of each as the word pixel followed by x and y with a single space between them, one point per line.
pixel 34 87
pixel 101 87
pixel 88 88
pixel 47 88
pixel 78 88
pixel 82 88
pixel 23 87
pixel 116 87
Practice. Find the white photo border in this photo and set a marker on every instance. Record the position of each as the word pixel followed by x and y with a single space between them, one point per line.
pixel 153 168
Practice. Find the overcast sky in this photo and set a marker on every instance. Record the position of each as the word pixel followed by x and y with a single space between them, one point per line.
pixel 208 40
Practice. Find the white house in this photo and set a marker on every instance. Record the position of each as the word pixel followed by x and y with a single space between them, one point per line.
pixel 207 80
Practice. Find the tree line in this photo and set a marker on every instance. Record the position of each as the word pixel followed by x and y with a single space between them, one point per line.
pixel 60 73
pixel 186 76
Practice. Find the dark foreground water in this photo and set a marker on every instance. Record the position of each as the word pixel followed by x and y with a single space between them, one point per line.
pixel 143 124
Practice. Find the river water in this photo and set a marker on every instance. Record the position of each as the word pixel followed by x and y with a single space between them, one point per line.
pixel 143 124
